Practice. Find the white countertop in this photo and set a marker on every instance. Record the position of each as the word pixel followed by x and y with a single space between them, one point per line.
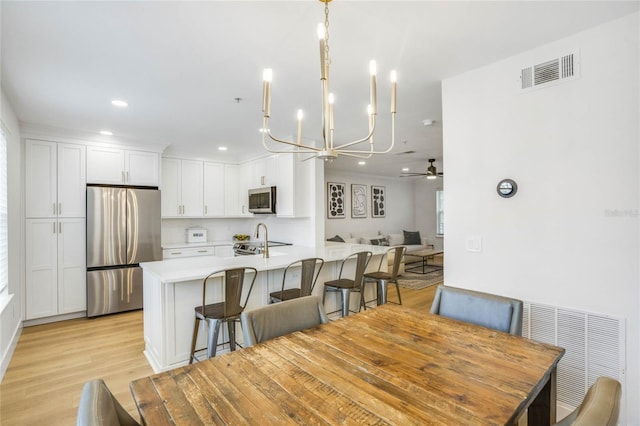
pixel 196 268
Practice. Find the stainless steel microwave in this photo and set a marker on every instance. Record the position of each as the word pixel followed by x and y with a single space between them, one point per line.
pixel 262 200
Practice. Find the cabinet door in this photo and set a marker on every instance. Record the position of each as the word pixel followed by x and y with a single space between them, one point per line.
pixel 141 168
pixel 41 293
pixel 214 189
pixel 41 198
pixel 105 165
pixel 170 187
pixel 71 181
pixel 72 271
pixel 191 188
pixel 231 190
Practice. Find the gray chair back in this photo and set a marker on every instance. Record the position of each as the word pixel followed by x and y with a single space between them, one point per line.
pixel 281 318
pixel 488 310
pixel 601 405
pixel 98 407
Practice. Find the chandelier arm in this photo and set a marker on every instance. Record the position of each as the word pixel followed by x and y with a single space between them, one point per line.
pixel 393 139
pixel 265 127
pixel 373 128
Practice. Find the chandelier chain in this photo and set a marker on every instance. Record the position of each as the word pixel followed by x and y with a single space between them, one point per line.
pixel 326 28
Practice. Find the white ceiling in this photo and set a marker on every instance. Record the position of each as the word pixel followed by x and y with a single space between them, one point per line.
pixel 180 65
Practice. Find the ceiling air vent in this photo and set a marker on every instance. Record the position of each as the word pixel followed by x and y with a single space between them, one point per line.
pixel 557 70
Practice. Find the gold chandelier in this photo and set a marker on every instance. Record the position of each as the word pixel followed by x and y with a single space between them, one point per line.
pixel 329 150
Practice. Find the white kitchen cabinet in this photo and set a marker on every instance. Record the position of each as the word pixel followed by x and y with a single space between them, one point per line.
pixel 116 166
pixel 264 172
pixel 244 184
pixel 55 267
pixel 55 179
pixel 232 206
pixel 214 189
pixel 293 186
pixel 182 188
pixel 188 252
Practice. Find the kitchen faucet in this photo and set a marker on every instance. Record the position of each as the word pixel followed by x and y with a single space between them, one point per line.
pixel 265 252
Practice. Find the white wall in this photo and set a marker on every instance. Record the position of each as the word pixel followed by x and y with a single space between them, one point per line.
pixel 11 306
pixel 424 194
pixel 570 235
pixel 400 206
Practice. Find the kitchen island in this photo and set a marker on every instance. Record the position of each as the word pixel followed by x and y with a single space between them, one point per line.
pixel 173 287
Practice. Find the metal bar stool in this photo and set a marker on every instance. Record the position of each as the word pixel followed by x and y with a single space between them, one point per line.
pixel 345 285
pixel 309 271
pixel 227 311
pixel 382 279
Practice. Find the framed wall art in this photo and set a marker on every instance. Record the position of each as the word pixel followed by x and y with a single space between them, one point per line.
pixel 358 200
pixel 335 200
pixel 378 201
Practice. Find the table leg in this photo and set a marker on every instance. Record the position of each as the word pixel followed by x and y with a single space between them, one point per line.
pixel 542 410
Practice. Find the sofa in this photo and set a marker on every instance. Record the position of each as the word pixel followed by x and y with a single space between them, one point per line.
pixel 391 239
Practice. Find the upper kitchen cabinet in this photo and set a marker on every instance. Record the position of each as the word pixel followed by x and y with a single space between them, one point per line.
pixel 264 172
pixel 55 179
pixel 214 189
pixel 293 186
pixel 182 188
pixel 116 166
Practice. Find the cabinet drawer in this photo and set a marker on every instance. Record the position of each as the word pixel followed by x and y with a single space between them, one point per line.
pixel 188 252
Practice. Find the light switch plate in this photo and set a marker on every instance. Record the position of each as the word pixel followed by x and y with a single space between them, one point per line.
pixel 474 243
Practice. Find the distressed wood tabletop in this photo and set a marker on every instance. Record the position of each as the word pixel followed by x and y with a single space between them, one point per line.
pixel 388 365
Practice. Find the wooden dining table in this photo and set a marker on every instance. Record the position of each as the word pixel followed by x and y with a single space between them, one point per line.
pixel 388 365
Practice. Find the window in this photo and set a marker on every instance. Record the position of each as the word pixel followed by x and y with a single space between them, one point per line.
pixel 440 213
pixel 4 243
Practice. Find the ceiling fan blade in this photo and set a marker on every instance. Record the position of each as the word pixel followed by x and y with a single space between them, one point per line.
pixel 413 174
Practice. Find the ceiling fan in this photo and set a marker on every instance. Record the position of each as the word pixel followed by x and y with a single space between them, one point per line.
pixel 432 172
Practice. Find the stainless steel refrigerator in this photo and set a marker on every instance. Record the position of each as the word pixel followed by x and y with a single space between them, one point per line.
pixel 123 229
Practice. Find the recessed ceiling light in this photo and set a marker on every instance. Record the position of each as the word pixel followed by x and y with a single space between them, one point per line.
pixel 222 148
pixel 119 103
pixel 362 163
pixel 262 130
pixel 106 133
pixel 427 122
pixel 405 169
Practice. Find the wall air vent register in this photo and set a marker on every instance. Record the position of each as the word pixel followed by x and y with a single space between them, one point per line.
pixel 557 70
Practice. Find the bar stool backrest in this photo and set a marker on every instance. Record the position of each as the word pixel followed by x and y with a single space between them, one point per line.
pixel 308 274
pixel 233 285
pixel 397 259
pixel 362 260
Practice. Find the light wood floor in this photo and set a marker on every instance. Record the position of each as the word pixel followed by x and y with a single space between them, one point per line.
pixel 52 362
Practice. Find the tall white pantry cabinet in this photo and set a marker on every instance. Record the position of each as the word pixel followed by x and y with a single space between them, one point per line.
pixel 55 229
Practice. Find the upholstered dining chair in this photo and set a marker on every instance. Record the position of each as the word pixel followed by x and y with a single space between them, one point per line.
pixel 487 310
pixel 309 271
pixel 600 406
pixel 345 286
pixel 227 311
pixel 278 319
pixel 383 279
pixel 98 407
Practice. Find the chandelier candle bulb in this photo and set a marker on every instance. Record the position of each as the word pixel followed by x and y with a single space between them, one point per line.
pixel 394 81
pixel 300 115
pixel 267 76
pixel 324 69
pixel 374 96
